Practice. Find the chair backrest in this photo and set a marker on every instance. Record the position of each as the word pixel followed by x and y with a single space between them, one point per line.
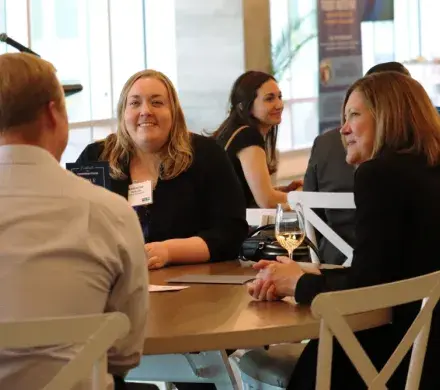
pixel 95 333
pixel 333 306
pixel 327 200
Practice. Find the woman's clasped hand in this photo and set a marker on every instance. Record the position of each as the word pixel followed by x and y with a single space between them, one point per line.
pixel 278 279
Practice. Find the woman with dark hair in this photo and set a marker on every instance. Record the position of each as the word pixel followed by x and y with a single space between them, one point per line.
pixel 249 135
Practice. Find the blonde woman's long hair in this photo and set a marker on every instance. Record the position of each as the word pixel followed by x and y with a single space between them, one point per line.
pixel 405 118
pixel 176 156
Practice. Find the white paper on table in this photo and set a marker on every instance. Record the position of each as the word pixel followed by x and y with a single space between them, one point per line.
pixel 156 288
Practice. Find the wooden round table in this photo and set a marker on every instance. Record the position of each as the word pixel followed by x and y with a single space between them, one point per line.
pixel 215 317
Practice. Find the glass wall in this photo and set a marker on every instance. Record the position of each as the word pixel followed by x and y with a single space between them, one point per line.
pixel 13 21
pixel 98 44
pixel 160 32
pixel 2 24
pixel 295 22
pixel 410 38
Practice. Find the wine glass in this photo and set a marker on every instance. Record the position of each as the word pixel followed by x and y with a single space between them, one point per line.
pixel 289 227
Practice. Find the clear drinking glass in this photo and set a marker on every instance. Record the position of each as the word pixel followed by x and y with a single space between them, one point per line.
pixel 289 227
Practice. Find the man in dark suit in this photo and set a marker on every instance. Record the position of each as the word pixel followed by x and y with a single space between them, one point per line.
pixel 327 171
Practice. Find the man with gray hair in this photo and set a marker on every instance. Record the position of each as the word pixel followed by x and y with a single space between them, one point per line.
pixel 68 247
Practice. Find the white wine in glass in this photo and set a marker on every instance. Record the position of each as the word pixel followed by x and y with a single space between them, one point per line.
pixel 289 228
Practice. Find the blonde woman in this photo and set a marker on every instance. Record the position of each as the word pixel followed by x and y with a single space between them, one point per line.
pixel 197 212
pixel 392 135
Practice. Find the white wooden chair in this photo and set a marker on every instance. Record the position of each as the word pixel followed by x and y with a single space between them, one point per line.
pixel 327 200
pixel 332 306
pixel 95 333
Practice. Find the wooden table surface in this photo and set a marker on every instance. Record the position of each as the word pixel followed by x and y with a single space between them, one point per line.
pixel 212 316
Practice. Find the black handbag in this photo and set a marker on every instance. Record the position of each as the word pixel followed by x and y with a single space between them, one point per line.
pixel 262 244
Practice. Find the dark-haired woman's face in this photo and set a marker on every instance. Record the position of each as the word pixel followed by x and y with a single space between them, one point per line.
pixel 268 105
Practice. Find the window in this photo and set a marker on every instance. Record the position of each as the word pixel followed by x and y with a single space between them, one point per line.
pixel 13 21
pixel 299 82
pixel 79 49
pixel 394 40
pixel 160 22
pixel 410 38
pixel 411 35
pixel 2 24
pixel 101 43
pixel 127 43
pixel 428 17
pixel 98 44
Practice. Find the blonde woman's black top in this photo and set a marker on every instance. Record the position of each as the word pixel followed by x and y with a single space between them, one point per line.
pixel 205 201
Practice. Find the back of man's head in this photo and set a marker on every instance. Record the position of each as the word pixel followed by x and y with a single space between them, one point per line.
pixel 391 66
pixel 27 84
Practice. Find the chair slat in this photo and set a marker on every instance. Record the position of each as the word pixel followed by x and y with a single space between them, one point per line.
pixel 328 200
pixel 333 306
pixel 95 334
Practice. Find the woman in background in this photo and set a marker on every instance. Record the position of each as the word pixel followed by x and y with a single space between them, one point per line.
pixel 392 134
pixel 197 212
pixel 249 135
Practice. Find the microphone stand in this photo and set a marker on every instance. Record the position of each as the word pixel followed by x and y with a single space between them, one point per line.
pixel 69 89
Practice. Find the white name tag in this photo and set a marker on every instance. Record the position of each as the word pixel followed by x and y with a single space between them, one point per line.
pixel 140 194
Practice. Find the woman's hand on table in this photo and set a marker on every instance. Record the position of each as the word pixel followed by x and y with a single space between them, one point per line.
pixel 157 254
pixel 263 290
pixel 278 279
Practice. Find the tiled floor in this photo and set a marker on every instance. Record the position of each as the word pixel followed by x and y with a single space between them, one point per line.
pixel 234 358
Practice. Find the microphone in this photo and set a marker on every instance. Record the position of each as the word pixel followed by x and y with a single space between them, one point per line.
pixel 18 46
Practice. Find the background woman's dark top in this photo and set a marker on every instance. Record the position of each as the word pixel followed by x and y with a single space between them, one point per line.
pixel 397 237
pixel 204 201
pixel 249 136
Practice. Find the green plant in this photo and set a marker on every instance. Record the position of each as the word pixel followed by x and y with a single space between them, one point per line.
pixel 291 41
